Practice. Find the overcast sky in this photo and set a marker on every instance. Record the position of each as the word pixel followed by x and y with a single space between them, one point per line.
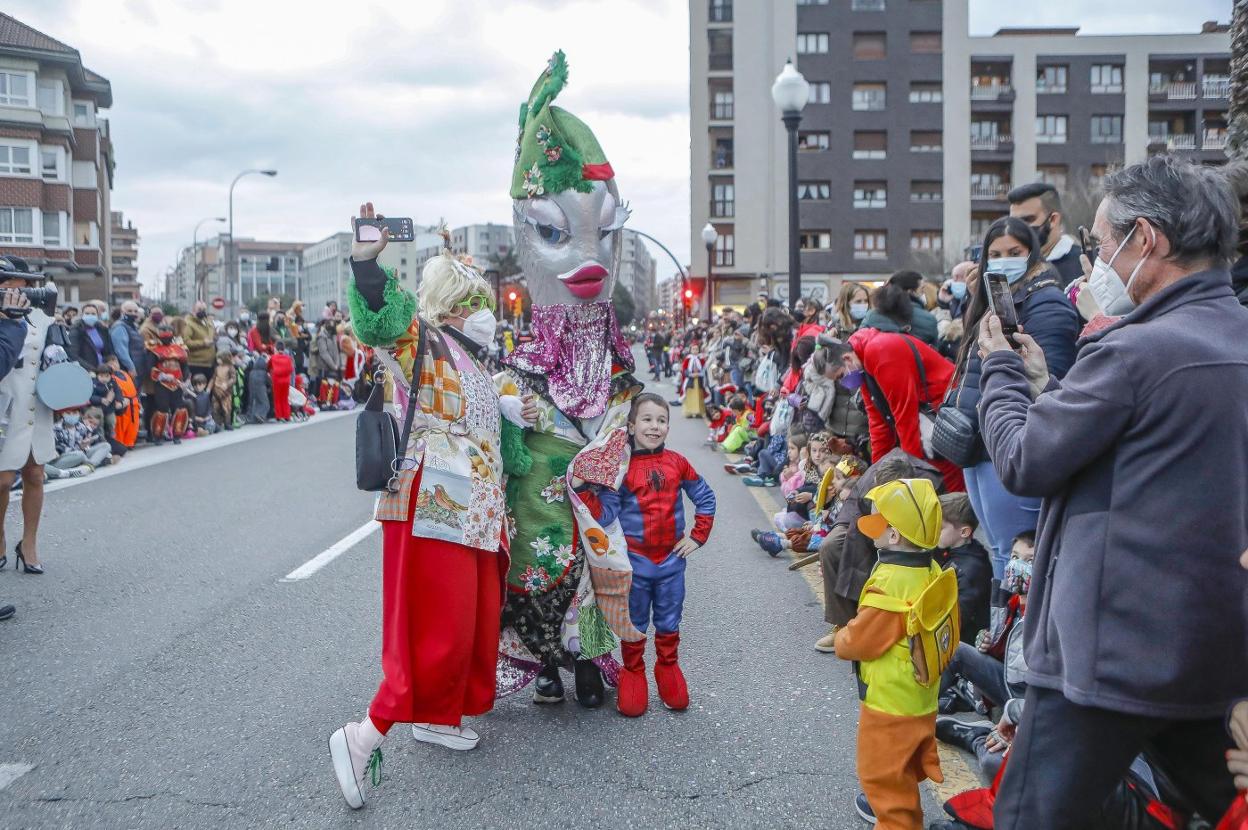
pixel 413 105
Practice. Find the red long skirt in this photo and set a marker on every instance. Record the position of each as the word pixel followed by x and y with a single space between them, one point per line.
pixel 440 610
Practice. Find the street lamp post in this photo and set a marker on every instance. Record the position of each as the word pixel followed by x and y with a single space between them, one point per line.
pixel 709 235
pixel 233 265
pixel 791 92
pixel 199 288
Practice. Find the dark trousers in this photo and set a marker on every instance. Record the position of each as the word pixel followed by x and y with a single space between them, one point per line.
pixel 837 610
pixel 1067 758
pixel 986 672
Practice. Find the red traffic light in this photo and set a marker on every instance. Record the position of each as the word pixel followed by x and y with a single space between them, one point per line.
pixel 511 295
pixel 688 293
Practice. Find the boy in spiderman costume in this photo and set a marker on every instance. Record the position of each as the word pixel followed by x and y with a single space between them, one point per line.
pixel 651 510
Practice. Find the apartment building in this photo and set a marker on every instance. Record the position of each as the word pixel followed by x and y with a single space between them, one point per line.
pixel 265 269
pixel 326 273
pixel 637 273
pixel 56 162
pixel 123 259
pixel 915 130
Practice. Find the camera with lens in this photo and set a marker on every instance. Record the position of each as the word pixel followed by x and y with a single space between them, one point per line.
pixel 41 297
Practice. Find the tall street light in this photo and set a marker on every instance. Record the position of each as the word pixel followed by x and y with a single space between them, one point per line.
pixel 791 92
pixel 709 235
pixel 199 287
pixel 233 264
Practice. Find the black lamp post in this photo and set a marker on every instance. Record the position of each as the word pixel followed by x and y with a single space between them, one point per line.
pixel 791 92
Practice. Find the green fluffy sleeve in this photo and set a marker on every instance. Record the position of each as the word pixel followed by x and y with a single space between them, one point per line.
pixel 384 327
pixel 516 458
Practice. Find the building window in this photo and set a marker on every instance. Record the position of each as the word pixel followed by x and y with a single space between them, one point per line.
pixel 820 93
pixel 1054 174
pixel 15 89
pixel 870 145
pixel 815 240
pixel 1106 79
pixel 721 11
pixel 725 249
pixel 925 43
pixel 861 5
pixel 812 2
pixel 1051 79
pixel 720 55
pixel 814 191
pixel 49 165
pixel 870 244
pixel 1050 129
pixel 15 160
pixel 927 241
pixel 869 96
pixel 723 197
pixel 82 113
pixel 812 43
pixel 49 97
pixel 987 186
pixel 722 156
pixel 926 93
pixel 17 226
pixel 926 191
pixel 925 141
pixel 870 46
pixel 722 106
pixel 870 194
pixel 813 141
pixel 52 237
pixel 1107 129
pixel 1097 172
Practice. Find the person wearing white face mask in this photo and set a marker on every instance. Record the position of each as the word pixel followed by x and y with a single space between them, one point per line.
pixel 1044 312
pixel 444 544
pixel 1135 633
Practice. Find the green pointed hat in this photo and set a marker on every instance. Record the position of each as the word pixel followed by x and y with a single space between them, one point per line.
pixel 555 151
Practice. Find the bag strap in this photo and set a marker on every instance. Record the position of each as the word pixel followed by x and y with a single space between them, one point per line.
pixel 885 603
pixel 922 373
pixel 414 389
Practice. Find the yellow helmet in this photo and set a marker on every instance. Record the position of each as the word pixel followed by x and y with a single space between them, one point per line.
pixel 909 505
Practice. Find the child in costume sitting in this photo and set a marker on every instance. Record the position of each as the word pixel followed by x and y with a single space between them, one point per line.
pixel 807 536
pixel 897 717
pixel 651 510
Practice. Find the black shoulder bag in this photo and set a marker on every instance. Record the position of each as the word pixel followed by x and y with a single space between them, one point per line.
pixel 379 445
pixel 955 435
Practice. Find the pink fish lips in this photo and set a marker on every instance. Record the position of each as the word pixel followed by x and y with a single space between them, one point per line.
pixel 585 282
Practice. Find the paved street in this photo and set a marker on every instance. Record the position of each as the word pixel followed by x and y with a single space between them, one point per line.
pixel 163 675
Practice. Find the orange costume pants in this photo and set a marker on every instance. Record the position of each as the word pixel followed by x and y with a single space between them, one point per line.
pixel 895 753
pixel 440 610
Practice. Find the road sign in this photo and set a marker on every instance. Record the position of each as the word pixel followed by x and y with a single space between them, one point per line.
pixel 218 303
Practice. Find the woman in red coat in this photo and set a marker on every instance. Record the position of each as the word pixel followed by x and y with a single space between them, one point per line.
pixel 282 370
pixel 891 361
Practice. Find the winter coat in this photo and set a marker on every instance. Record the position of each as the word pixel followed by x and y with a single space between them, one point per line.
pixel 326 357
pixel 974 569
pixel 258 390
pixel 128 346
pixel 888 358
pixel 82 347
pixel 1046 313
pixel 1141 457
pixel 922 323
pixel 820 391
pixel 199 337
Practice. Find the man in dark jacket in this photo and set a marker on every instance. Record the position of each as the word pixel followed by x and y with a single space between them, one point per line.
pixel 1038 205
pixel 1135 634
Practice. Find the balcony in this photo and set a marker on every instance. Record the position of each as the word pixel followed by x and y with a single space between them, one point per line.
pixel 1214 140
pixel 1173 141
pixel 1002 91
pixel 989 192
pixel 720 12
pixel 1215 87
pixel 993 143
pixel 721 62
pixel 721 159
pixel 1173 90
pixel 722 111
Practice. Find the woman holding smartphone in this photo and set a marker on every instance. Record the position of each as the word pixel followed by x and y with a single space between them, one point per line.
pixel 1011 258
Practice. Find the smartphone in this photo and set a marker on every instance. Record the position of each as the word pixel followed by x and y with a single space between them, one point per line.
pixel 1001 301
pixel 369 230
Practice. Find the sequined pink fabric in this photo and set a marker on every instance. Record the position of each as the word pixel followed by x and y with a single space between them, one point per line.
pixel 573 347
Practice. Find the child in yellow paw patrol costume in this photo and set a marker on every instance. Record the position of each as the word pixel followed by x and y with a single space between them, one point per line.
pixel 905 630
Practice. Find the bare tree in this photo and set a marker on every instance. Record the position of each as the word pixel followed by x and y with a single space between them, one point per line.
pixel 1237 117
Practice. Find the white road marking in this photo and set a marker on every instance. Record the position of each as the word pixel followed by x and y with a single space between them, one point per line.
pixel 151 456
pixel 331 553
pixel 11 772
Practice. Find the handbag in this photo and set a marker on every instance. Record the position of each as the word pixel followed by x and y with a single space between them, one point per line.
pixel 955 435
pixel 379 444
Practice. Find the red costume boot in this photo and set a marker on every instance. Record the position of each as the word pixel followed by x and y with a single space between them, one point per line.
pixel 673 690
pixel 633 692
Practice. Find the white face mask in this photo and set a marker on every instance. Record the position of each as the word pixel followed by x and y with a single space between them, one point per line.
pixel 480 326
pixel 1107 286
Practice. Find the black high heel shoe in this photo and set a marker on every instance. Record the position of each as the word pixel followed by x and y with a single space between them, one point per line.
pixel 21 565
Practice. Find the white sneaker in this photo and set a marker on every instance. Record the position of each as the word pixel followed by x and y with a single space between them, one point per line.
pixel 356 752
pixel 461 738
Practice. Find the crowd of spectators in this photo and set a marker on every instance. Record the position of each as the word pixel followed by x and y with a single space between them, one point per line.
pixel 1091 426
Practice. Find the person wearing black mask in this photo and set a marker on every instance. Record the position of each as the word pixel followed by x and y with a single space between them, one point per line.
pixel 199 335
pixel 1039 206
pixel 127 342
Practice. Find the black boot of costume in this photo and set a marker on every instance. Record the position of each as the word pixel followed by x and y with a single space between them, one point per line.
pixel 549 686
pixel 589 689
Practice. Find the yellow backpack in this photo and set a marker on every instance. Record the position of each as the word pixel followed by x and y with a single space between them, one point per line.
pixel 933 625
